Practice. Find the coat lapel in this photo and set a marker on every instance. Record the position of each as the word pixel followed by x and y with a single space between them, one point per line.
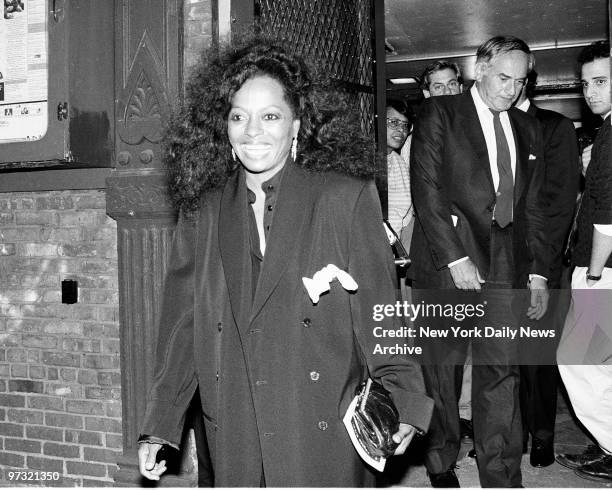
pixel 235 246
pixel 532 110
pixel 521 143
pixel 293 205
pixel 470 123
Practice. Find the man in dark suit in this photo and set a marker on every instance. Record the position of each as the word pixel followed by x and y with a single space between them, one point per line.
pixel 539 382
pixel 476 175
pixel 443 77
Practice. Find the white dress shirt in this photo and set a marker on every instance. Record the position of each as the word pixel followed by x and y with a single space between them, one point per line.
pixel 399 199
pixel 486 123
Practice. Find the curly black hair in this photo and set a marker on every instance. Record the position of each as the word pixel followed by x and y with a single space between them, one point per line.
pixel 196 148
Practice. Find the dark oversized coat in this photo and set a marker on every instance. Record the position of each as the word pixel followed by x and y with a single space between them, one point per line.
pixel 275 372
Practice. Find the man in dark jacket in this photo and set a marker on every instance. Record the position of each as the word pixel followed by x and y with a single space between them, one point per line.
pixel 586 346
pixel 476 173
pixel 539 382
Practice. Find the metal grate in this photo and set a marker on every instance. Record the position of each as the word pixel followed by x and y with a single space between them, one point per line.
pixel 337 33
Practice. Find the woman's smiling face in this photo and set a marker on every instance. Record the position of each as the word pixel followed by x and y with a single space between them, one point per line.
pixel 261 126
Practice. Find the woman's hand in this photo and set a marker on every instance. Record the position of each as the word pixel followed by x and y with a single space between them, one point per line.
pixel 403 436
pixel 147 454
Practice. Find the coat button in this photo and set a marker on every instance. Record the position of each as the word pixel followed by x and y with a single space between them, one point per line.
pixel 314 376
pixel 306 322
pixel 498 193
pixel 219 326
pixel 261 382
pixel 322 425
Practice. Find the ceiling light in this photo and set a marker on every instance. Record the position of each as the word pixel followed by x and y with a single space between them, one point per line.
pixel 403 81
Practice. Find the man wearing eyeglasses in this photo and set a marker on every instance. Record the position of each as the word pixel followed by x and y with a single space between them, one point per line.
pixel 399 202
pixel 441 78
pixel 400 213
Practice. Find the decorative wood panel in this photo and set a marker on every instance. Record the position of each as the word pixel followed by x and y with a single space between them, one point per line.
pixel 143 250
pixel 148 81
pixel 138 196
pixel 147 77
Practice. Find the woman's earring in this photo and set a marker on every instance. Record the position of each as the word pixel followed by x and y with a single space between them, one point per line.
pixel 294 149
pixel 233 155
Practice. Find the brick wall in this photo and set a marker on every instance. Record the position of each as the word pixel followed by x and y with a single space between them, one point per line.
pixel 60 384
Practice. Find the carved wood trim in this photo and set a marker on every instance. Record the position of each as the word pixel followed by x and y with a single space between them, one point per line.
pixel 138 196
pixel 148 77
pixel 143 249
pixel 147 81
pixel 143 103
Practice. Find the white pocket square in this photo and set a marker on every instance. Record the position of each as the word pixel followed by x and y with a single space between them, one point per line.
pixel 320 282
pixel 532 156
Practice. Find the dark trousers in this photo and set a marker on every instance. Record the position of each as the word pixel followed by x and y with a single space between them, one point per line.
pixel 495 384
pixel 538 395
pixel 540 382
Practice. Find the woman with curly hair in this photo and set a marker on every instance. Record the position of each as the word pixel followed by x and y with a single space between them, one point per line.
pixel 273 179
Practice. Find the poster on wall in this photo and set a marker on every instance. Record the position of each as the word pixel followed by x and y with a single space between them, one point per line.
pixel 23 70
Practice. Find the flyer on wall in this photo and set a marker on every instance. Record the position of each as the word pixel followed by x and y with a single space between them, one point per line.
pixel 23 71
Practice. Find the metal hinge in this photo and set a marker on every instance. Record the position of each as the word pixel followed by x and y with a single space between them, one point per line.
pixel 58 10
pixel 62 111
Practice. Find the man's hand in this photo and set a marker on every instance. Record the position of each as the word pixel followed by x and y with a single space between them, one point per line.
pixel 466 276
pixel 539 298
pixel 403 436
pixel 147 453
pixel 586 158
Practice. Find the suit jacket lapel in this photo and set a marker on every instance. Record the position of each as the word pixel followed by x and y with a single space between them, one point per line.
pixel 521 143
pixel 470 122
pixel 532 110
pixel 294 203
pixel 234 245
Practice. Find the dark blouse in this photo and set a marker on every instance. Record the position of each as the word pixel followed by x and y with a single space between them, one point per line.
pixel 271 188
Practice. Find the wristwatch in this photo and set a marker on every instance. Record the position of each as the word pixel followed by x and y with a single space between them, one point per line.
pixel 591 277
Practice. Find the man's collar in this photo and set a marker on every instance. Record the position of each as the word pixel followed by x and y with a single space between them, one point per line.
pixel 394 158
pixel 481 107
pixel 524 106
